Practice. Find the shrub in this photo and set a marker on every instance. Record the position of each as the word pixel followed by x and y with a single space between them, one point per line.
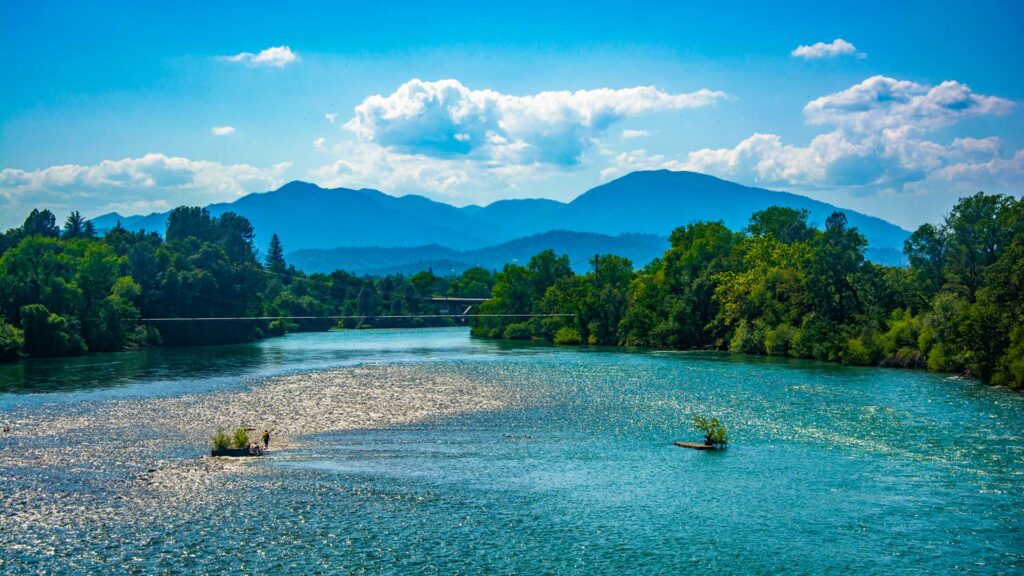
pixel 1010 371
pixel 939 360
pixel 715 433
pixel 904 331
pixel 776 342
pixel 567 335
pixel 12 342
pixel 864 350
pixel 240 439
pixel 905 357
pixel 748 338
pixel 518 331
pixel 47 334
pixel 817 338
pixel 221 441
pixel 280 327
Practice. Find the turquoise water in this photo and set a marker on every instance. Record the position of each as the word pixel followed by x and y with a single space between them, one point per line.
pixel 522 459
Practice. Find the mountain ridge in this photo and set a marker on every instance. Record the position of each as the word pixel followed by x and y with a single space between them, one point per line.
pixel 578 246
pixel 308 217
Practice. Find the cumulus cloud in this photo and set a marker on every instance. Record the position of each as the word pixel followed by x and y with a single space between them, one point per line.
pixel 878 144
pixel 1007 173
pixel 816 51
pixel 320 144
pixel 130 185
pixel 878 139
pixel 831 159
pixel 880 102
pixel 331 117
pixel 274 57
pixel 445 119
pixel 222 130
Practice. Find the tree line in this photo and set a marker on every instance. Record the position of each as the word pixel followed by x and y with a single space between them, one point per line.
pixel 782 287
pixel 66 291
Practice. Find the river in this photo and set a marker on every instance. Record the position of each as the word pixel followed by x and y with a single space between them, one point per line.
pixel 427 451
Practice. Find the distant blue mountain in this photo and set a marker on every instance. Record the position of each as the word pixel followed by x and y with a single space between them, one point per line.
pixel 579 246
pixel 306 216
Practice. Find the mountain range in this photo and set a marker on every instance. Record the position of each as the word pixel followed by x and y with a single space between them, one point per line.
pixel 368 231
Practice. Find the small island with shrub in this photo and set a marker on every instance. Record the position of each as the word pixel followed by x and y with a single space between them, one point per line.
pixel 716 435
pixel 237 444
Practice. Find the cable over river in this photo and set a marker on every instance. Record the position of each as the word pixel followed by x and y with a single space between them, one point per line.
pixel 426 451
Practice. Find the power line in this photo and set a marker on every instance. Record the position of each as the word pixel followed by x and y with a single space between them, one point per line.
pixel 383 317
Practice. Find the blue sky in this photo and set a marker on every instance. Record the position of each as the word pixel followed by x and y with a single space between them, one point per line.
pixel 134 107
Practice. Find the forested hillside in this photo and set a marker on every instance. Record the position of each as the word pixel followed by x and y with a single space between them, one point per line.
pixel 65 292
pixel 782 287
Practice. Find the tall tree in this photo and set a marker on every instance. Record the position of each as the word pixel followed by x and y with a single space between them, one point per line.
pixel 275 256
pixel 190 221
pixel 41 223
pixel 787 225
pixel 74 226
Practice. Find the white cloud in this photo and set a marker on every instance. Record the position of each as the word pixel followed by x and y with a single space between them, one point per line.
pixel 831 159
pixel 320 144
pixel 990 147
pixel 627 133
pixel 445 119
pixel 877 140
pixel 275 57
pixel 130 185
pixel 222 130
pixel 837 47
pixel 1007 173
pixel 331 117
pixel 880 102
pixel 878 145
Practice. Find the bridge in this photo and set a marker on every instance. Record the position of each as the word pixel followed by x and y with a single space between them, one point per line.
pixel 469 302
pixel 456 300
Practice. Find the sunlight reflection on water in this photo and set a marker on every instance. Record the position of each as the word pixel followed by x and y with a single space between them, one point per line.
pixel 426 451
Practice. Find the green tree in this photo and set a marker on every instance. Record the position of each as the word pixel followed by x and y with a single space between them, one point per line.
pixel 74 226
pixel 786 225
pixel 275 256
pixel 41 223
pixel 12 342
pixel 47 334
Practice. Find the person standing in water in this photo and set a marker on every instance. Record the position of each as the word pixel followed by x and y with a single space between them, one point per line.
pixel 266 439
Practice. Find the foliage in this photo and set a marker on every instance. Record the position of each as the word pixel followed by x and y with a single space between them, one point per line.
pixel 518 331
pixel 275 256
pixel 782 287
pixel 221 441
pixel 567 335
pixel 48 334
pixel 240 438
pixel 715 433
pixel 12 342
pixel 97 289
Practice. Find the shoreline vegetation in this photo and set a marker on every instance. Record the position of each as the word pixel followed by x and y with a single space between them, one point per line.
pixel 69 291
pixel 780 287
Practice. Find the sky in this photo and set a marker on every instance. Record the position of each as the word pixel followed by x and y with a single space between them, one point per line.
pixel 894 109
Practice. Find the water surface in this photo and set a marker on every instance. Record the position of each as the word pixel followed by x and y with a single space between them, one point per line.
pixel 427 451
